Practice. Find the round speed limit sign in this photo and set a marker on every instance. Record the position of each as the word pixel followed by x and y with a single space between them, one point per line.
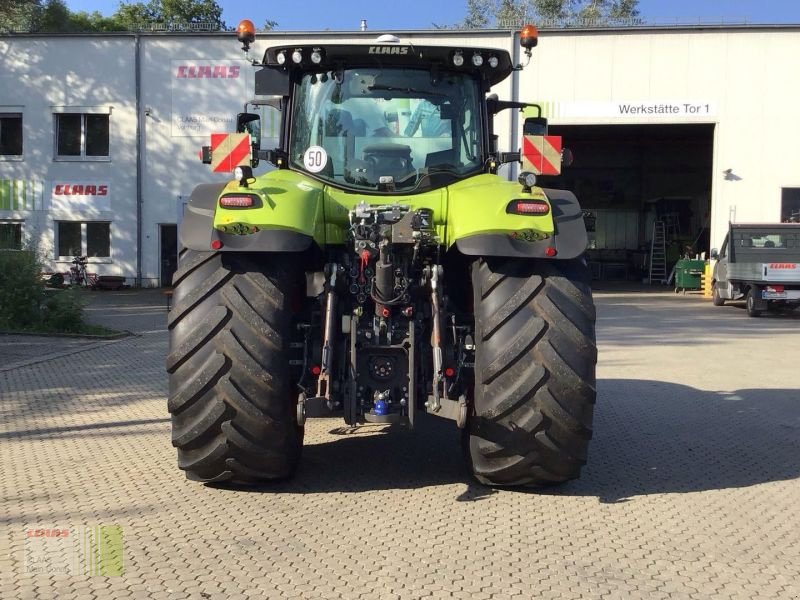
pixel 315 159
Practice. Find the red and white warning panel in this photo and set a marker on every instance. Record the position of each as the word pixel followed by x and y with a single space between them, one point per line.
pixel 229 150
pixel 541 154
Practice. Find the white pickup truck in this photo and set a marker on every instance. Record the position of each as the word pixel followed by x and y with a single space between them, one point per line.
pixel 760 263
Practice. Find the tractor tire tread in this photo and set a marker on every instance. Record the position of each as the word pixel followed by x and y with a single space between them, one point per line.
pixel 534 371
pixel 230 397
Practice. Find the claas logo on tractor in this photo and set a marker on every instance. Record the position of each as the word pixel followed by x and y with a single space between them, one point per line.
pixel 383 270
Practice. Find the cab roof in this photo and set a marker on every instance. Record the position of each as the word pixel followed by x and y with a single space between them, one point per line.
pixel 392 56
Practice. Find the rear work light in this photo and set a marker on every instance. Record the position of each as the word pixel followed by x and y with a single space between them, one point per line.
pixel 237 201
pixel 528 207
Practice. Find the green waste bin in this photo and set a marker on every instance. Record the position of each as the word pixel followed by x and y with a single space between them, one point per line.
pixel 687 274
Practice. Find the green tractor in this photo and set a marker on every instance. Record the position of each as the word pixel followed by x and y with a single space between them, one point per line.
pixel 382 270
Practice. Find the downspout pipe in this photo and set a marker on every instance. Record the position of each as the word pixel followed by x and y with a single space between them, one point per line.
pixel 514 137
pixel 139 152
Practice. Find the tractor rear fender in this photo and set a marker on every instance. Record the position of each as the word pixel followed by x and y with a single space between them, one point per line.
pixel 286 216
pixel 568 235
pixel 198 217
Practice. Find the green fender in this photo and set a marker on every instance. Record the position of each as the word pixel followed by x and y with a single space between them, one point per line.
pixel 288 215
pixel 478 224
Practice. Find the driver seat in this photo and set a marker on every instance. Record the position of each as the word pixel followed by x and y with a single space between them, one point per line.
pixel 389 159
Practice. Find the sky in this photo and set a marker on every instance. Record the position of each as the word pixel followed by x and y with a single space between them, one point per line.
pixel 343 15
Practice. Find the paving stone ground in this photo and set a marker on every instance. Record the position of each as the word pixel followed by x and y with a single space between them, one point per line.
pixel 692 488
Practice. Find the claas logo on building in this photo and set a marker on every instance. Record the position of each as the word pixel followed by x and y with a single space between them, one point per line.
pixel 70 189
pixel 207 72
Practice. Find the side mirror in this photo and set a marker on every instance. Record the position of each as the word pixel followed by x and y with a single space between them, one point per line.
pixel 534 126
pixel 245 123
pixel 714 254
pixel 250 123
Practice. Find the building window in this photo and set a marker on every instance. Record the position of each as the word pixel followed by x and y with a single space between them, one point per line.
pixel 10 236
pixel 80 135
pixel 790 205
pixel 98 239
pixel 10 134
pixel 76 238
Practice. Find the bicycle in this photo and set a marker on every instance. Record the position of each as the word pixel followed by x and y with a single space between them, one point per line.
pixel 77 272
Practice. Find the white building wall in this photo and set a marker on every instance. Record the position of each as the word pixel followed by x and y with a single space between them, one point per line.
pixel 41 76
pixel 170 163
pixel 744 76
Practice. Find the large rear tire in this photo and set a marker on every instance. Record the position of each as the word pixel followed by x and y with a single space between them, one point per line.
pixel 230 394
pixel 534 371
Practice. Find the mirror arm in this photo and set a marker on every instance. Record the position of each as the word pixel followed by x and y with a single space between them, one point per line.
pixel 494 106
pixel 508 157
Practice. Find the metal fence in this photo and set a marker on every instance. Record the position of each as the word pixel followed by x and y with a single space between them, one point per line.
pixel 613 23
pixel 143 27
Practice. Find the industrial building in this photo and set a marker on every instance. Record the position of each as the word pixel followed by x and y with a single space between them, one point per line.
pixel 686 127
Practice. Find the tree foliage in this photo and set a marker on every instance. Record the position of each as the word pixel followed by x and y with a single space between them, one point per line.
pixel 479 14
pixel 171 13
pixel 54 16
pixel 16 14
pixel 511 13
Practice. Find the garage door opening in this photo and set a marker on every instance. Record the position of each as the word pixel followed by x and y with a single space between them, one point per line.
pixel 634 180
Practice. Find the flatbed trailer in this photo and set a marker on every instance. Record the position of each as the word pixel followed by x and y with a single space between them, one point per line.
pixel 759 263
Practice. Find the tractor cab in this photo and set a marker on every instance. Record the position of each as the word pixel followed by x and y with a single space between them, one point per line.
pixel 387 117
pixel 384 117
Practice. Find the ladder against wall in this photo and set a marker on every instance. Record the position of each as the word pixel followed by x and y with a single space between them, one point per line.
pixel 658 253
